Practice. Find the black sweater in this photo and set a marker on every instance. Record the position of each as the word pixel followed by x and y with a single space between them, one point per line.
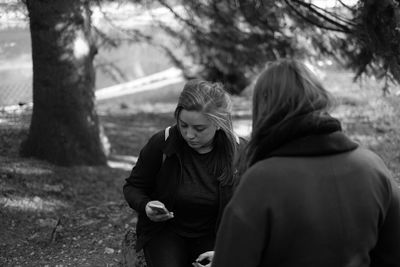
pixel 153 178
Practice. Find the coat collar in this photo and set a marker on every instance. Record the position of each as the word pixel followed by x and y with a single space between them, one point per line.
pixel 316 145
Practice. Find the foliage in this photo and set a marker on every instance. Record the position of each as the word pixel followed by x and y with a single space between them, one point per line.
pixel 364 37
pixel 230 40
pixel 377 36
pixel 225 40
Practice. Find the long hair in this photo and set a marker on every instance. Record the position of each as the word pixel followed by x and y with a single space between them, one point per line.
pixel 284 90
pixel 213 102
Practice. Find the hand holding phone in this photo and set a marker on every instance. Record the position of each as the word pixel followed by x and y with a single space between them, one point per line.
pixel 158 208
pixel 204 259
pixel 157 212
pixel 203 262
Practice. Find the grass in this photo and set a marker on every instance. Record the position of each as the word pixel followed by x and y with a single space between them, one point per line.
pixel 77 216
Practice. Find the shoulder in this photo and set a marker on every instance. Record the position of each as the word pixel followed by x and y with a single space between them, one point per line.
pixel 375 172
pixel 364 153
pixel 163 135
pixel 259 180
pixel 263 167
pixel 166 141
pixel 373 165
pixel 368 159
pixel 157 138
pixel 268 173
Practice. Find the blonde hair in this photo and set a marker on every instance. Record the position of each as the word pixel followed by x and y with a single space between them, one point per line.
pixel 212 101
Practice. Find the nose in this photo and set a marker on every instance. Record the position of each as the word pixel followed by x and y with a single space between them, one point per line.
pixel 190 134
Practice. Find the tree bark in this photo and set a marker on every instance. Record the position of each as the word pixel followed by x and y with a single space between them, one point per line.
pixel 64 127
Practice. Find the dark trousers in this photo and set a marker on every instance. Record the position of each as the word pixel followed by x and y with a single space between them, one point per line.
pixel 168 249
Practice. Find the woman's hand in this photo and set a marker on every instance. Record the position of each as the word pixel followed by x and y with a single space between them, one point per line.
pixel 204 260
pixel 157 212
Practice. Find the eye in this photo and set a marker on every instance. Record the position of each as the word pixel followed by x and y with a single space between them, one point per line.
pixel 200 129
pixel 183 125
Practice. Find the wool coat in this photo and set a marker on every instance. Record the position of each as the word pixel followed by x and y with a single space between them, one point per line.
pixel 320 200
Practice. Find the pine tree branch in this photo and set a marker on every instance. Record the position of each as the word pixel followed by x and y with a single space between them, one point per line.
pixel 133 34
pixel 309 20
pixel 346 6
pixel 339 27
pixel 250 19
pixel 314 10
pixel 180 18
pixel 334 16
pixel 317 10
pixel 220 17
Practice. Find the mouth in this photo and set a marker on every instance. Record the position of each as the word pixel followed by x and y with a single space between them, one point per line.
pixel 193 143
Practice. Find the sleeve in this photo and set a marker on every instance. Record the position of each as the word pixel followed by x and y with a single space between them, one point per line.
pixel 244 227
pixel 141 182
pixel 387 250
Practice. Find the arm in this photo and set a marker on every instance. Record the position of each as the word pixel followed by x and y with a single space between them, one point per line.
pixel 140 184
pixel 387 249
pixel 244 227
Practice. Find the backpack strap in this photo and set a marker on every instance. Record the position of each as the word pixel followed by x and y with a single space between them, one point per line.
pixel 237 139
pixel 166 135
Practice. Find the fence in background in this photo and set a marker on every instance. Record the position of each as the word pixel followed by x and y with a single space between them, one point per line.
pixel 16 99
pixel 15 94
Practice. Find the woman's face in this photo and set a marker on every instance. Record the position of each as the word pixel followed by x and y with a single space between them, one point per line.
pixel 197 130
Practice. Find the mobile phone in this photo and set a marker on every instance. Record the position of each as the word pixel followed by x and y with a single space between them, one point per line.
pixel 160 209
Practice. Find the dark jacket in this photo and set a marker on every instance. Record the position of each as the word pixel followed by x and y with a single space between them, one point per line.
pixel 317 201
pixel 156 176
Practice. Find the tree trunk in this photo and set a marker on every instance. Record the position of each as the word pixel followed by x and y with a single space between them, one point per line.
pixel 64 127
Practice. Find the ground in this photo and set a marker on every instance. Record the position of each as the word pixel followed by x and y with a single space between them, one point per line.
pixel 58 216
pixel 66 216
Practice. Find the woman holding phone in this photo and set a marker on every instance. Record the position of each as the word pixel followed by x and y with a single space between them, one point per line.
pixel 184 177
